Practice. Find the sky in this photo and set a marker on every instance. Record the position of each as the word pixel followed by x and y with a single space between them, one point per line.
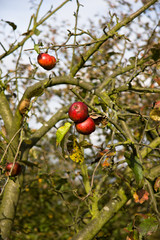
pixel 19 11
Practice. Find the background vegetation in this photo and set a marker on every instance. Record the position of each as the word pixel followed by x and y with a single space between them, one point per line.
pixel 112 190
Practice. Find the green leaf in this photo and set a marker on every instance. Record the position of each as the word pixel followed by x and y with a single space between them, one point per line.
pixel 61 132
pixel 138 170
pixel 37 32
pixel 136 166
pixel 36 48
pixel 129 227
pixel 148 226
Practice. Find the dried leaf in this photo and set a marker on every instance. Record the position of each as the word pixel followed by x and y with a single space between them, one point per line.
pixel 75 152
pixel 99 119
pixel 12 24
pixel 157 105
pixel 24 106
pixel 106 163
pixel 157 79
pixel 141 196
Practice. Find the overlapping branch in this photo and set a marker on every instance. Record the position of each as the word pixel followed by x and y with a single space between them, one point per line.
pixel 108 35
pixel 31 31
pixel 117 201
pixel 61 114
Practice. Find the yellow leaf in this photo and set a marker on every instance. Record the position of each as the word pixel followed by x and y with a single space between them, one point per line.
pixel 155 114
pixel 76 154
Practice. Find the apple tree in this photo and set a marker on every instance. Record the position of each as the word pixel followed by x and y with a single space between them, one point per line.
pixel 59 181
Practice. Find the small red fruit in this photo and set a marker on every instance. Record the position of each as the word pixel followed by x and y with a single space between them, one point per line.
pixel 15 171
pixel 78 112
pixel 46 61
pixel 86 127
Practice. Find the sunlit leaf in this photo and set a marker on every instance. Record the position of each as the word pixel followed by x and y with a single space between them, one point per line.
pixel 155 114
pixel 36 48
pixel 61 132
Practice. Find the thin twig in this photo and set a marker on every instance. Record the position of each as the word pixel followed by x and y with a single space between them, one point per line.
pixel 10 144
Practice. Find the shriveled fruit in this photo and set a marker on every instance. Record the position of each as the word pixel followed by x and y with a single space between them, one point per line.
pixel 24 106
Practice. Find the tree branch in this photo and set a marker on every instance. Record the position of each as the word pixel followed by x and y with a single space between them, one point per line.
pixel 61 114
pixel 108 35
pixel 107 212
pixel 116 203
pixel 32 31
pixel 145 151
pixel 8 205
pixel 5 112
pixel 39 87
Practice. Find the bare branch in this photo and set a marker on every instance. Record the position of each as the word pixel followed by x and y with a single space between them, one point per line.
pixel 108 35
pixel 61 114
pixel 31 31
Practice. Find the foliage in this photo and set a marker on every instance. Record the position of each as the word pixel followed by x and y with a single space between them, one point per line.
pixel 101 186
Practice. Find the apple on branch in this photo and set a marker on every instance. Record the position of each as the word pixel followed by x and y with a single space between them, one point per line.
pixel 78 112
pixel 86 127
pixel 46 61
pixel 13 169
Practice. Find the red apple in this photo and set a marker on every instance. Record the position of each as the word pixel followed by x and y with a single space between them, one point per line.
pixel 15 171
pixel 46 61
pixel 78 112
pixel 86 127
